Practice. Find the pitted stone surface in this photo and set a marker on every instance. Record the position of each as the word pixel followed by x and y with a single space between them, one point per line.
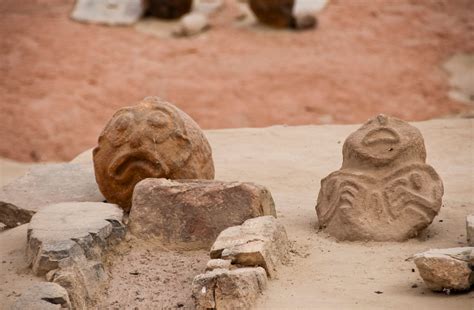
pixel 44 185
pixel 71 231
pixel 43 296
pixel 223 289
pixel 153 139
pixel 191 213
pixel 261 241
pixel 384 190
pixel 470 229
pixel 447 269
pixel 110 12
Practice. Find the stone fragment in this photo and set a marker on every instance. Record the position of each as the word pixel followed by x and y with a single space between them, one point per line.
pixel 109 12
pixel 191 213
pixel 71 231
pixel 153 139
pixel 470 229
pixel 169 9
pixel 274 13
pixel 43 296
pixel 447 269
pixel 218 264
pixel 222 289
pixel 44 185
pixel 384 190
pixel 192 24
pixel 260 241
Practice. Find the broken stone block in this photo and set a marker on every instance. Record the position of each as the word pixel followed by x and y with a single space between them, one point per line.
pixel 218 264
pixel 470 229
pixel 260 241
pixel 71 231
pixel 153 139
pixel 384 190
pixel 222 289
pixel 191 213
pixel 43 296
pixel 44 185
pixel 447 269
pixel 109 12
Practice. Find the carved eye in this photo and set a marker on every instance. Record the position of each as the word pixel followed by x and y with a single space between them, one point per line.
pixel 118 131
pixel 158 119
pixel 122 123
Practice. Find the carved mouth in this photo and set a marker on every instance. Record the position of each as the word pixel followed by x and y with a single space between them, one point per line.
pixel 381 135
pixel 126 167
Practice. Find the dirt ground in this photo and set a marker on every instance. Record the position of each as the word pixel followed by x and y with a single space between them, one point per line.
pixel 62 80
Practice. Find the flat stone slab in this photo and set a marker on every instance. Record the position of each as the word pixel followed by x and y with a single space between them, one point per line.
pixel 228 289
pixel 470 229
pixel 43 296
pixel 44 185
pixel 71 231
pixel 109 12
pixel 191 213
pixel 447 269
pixel 260 241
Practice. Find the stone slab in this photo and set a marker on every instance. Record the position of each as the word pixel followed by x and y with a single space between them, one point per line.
pixel 43 296
pixel 109 12
pixel 191 213
pixel 44 185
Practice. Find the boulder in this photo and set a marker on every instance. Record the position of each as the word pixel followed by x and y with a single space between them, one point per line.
pixel 190 214
pixel 274 13
pixel 192 24
pixel 43 296
pixel 447 269
pixel 71 231
pixel 169 9
pixel 223 289
pixel 153 139
pixel 261 241
pixel 384 190
pixel 109 12
pixel 470 229
pixel 44 185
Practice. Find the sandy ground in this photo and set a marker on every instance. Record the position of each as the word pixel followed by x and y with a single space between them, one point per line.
pixel 62 80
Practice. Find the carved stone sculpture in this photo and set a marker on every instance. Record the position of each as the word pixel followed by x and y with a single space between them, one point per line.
pixel 169 9
pixel 384 190
pixel 279 14
pixel 153 139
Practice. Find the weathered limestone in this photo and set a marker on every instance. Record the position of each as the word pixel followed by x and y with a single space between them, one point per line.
pixel 191 213
pixel 218 264
pixel 260 241
pixel 470 229
pixel 110 12
pixel 192 24
pixel 447 269
pixel 153 139
pixel 222 289
pixel 384 191
pixel 279 14
pixel 66 242
pixel 44 185
pixel 43 296
pixel 169 9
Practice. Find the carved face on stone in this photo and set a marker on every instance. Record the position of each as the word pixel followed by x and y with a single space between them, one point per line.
pixel 151 140
pixel 384 190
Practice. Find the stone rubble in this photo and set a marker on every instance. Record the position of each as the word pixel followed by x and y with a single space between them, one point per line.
pixel 43 296
pixel 44 185
pixel 190 214
pixel 66 243
pixel 447 269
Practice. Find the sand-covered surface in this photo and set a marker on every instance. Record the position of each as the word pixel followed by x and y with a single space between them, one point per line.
pixel 62 80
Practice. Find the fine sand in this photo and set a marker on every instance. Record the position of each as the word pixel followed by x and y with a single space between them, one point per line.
pixel 323 273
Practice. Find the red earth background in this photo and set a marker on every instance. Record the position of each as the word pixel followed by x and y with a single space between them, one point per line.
pixel 60 81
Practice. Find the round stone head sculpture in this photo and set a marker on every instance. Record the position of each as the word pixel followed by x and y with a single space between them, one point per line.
pixel 153 139
pixel 384 191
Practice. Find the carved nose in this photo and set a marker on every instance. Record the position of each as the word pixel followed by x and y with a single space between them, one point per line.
pixel 136 142
pixel 382 119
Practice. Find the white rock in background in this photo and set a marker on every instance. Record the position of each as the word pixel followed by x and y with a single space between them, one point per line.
pixel 309 6
pixel 110 12
pixel 260 241
pixel 192 24
pixel 447 269
pixel 207 7
pixel 228 289
pixel 470 229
